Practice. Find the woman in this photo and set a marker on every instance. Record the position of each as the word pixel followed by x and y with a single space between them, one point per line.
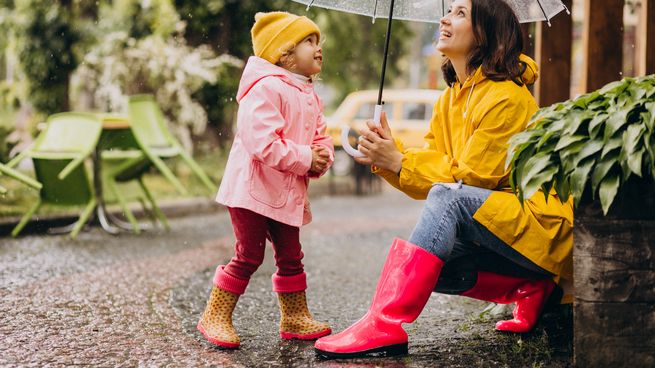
pixel 474 238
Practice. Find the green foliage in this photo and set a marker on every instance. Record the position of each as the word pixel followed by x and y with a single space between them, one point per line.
pixel 167 68
pixel 46 40
pixel 138 19
pixel 225 25
pixel 595 142
pixel 357 63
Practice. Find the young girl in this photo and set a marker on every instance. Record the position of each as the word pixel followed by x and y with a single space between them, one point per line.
pixel 280 143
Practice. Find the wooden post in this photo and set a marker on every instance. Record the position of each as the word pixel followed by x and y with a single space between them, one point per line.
pixel 646 38
pixel 553 55
pixel 603 43
pixel 614 307
pixel 528 38
pixel 528 31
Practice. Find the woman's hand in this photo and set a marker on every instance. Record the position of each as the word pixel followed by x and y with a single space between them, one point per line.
pixel 379 147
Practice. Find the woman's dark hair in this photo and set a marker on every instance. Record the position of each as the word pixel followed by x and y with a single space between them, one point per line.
pixel 498 43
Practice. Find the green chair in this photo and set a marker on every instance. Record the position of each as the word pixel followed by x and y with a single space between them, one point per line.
pixel 122 167
pixel 152 134
pixel 17 175
pixel 58 154
pixel 122 170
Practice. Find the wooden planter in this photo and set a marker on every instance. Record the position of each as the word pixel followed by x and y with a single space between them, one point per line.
pixel 614 279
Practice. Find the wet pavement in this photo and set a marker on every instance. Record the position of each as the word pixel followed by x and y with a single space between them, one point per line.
pixel 135 299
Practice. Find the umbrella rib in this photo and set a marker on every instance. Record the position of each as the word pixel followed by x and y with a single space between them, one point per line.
pixel 375 10
pixel 544 12
pixel 310 4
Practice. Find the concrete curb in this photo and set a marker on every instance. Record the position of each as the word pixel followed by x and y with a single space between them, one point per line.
pixel 171 208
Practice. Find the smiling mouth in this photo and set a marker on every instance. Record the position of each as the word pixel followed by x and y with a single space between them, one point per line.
pixel 319 58
pixel 445 34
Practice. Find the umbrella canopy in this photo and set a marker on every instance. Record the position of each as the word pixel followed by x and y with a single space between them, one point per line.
pixel 423 11
pixel 432 10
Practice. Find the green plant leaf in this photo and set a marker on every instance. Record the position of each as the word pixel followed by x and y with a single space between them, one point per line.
pixel 530 135
pixel 546 137
pixel 624 99
pixel 557 125
pixel 631 137
pixel 579 178
pixel 649 117
pixel 614 88
pixel 597 123
pixel 637 91
pixel 562 186
pixel 589 149
pixel 599 104
pixel 571 150
pixel 575 120
pixel 611 145
pixel 567 141
pixel 601 170
pixel 607 191
pixel 635 161
pixel 520 153
pixel 547 186
pixel 534 165
pixel 616 120
pixel 625 168
pixel 650 146
pixel 541 179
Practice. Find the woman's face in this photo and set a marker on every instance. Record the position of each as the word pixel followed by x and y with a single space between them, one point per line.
pixel 456 30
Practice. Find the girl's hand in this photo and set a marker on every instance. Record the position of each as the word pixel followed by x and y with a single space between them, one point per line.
pixel 320 159
pixel 379 147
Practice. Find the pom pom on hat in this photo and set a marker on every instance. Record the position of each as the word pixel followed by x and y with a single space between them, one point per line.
pixel 276 32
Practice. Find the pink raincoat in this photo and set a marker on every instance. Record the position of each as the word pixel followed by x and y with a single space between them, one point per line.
pixel 279 118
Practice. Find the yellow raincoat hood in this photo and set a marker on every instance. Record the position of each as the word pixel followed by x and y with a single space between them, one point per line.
pixel 471 125
pixel 531 73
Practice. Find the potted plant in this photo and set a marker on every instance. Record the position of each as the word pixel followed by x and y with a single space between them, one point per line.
pixel 599 149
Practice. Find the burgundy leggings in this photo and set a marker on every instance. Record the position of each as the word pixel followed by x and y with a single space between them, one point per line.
pixel 251 231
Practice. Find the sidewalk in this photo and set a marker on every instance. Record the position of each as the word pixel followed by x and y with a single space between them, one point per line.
pixel 134 300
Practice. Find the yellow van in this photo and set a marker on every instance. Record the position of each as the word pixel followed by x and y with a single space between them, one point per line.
pixel 408 110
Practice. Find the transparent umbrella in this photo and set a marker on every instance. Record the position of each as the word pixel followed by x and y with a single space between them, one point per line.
pixel 422 11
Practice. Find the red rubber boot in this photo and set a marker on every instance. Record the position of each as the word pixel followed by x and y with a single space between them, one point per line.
pixel 529 295
pixel 408 277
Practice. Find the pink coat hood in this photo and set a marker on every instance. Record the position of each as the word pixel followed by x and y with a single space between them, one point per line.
pixel 280 117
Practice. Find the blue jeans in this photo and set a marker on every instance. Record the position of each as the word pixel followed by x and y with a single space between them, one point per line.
pixel 447 229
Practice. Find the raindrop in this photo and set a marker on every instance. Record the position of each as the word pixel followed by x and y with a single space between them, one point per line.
pixel 621 73
pixel 633 45
pixel 550 59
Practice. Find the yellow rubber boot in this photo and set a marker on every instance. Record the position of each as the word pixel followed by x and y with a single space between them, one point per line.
pixel 296 322
pixel 216 322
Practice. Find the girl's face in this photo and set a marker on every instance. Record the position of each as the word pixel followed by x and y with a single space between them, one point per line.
pixel 306 59
pixel 456 38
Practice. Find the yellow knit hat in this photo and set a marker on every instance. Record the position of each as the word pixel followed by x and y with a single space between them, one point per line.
pixel 276 32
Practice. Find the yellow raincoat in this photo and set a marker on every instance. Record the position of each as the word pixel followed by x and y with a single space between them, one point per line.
pixel 468 141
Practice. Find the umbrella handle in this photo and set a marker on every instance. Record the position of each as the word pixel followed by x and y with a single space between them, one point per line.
pixel 345 133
